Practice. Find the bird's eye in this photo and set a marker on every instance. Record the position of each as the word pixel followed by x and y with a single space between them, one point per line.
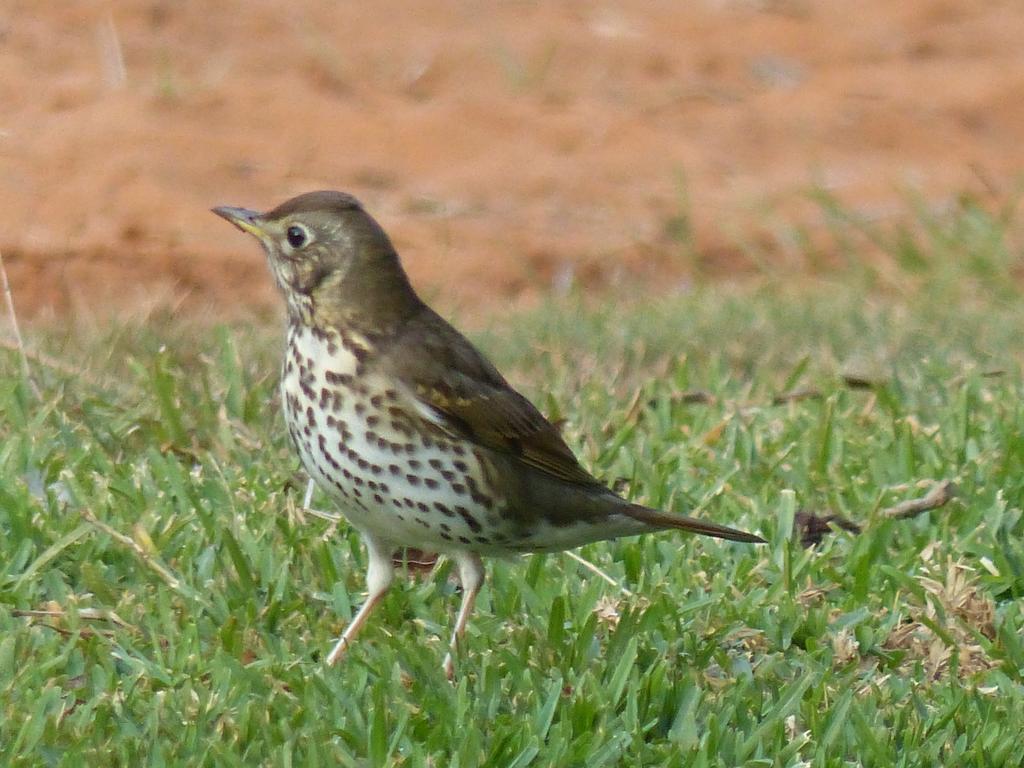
pixel 296 236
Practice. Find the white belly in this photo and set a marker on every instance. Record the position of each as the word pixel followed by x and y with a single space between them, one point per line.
pixel 402 487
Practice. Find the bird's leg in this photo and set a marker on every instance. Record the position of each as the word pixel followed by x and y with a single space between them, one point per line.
pixel 471 574
pixel 379 574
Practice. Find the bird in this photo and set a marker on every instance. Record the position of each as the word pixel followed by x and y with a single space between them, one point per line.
pixel 407 427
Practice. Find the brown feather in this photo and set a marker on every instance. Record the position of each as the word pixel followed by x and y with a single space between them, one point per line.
pixel 660 520
pixel 472 400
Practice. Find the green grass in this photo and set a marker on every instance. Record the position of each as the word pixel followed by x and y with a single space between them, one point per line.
pixel 153 486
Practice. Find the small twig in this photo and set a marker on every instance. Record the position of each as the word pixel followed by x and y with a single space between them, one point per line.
pixel 797 394
pixel 814 527
pixel 851 381
pixel 935 498
pixel 328 516
pixel 854 381
pixel 633 409
pixel 991 373
pixel 697 396
pixel 146 558
pixel 702 397
pixel 594 569
pixel 415 561
pixel 86 614
pixel 82 631
pixel 9 299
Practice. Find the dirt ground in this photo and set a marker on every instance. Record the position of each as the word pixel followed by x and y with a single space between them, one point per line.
pixel 508 147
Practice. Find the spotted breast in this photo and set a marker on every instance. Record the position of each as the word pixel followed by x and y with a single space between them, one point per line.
pixel 393 474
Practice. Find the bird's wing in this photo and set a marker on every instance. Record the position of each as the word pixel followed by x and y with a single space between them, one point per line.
pixel 450 384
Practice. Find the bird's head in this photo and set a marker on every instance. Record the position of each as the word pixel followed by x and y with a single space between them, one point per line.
pixel 332 261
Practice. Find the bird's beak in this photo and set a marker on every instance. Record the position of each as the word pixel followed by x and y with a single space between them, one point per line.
pixel 244 219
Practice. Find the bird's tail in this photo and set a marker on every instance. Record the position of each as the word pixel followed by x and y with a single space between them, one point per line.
pixel 658 519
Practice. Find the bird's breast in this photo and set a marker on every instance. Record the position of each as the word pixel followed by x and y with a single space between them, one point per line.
pixel 392 473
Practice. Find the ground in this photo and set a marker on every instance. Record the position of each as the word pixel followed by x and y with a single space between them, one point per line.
pixel 166 598
pixel 509 148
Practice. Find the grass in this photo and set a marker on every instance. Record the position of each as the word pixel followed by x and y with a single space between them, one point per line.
pixel 164 601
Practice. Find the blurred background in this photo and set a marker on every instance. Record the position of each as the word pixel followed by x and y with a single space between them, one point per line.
pixel 511 149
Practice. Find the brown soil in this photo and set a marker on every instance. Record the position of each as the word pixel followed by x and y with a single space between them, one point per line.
pixel 508 147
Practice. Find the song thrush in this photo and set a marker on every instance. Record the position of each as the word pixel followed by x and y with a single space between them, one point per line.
pixel 415 435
